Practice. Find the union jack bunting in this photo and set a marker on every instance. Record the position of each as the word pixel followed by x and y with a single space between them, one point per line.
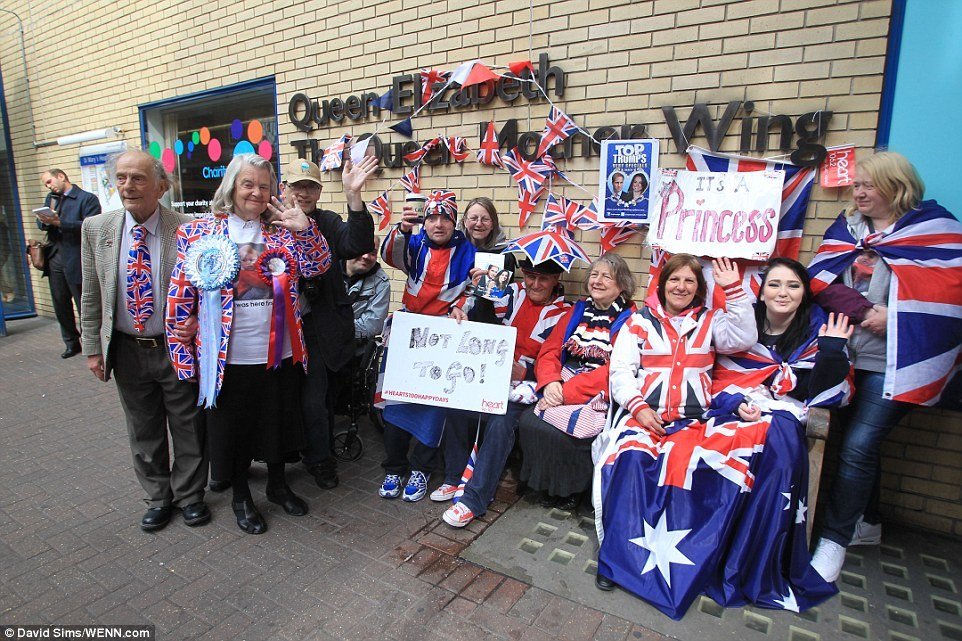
pixel 334 155
pixel 140 293
pixel 527 202
pixel 562 214
pixel 458 147
pixel 796 191
pixel 613 234
pixel 557 127
pixel 417 155
pixel 490 153
pixel 549 245
pixel 411 181
pixel 923 250
pixel 430 77
pixel 531 175
pixel 381 206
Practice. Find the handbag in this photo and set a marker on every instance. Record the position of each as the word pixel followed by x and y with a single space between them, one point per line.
pixel 37 253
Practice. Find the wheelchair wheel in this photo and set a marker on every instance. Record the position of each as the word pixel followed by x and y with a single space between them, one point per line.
pixel 370 374
pixel 347 446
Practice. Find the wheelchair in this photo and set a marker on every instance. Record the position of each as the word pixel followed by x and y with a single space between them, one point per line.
pixel 360 377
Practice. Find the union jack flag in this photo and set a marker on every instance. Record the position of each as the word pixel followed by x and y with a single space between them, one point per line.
pixel 549 245
pixel 382 207
pixel 468 471
pixel 458 147
pixel 430 77
pixel 557 127
pixel 795 196
pixel 561 214
pixel 411 181
pixel 527 202
pixel 923 249
pixel 531 175
pixel 490 153
pixel 334 155
pixel 417 155
pixel 613 234
pixel 763 367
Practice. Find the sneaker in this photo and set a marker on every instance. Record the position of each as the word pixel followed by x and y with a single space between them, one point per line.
pixel 458 515
pixel 828 559
pixel 444 493
pixel 416 487
pixel 390 487
pixel 867 533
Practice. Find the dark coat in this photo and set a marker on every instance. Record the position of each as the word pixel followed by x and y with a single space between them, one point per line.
pixel 72 207
pixel 332 316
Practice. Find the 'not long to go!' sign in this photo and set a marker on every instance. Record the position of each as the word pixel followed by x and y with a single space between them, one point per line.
pixel 717 214
pixel 433 360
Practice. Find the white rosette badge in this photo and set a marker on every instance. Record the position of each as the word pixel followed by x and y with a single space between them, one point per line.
pixel 212 262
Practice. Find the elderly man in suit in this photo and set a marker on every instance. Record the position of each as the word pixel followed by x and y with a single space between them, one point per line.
pixel 128 256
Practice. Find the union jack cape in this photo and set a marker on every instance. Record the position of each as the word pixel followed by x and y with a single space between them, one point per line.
pixel 923 250
pixel 762 366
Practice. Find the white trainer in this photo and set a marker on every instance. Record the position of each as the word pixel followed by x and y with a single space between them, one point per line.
pixel 866 533
pixel 444 493
pixel 828 559
pixel 458 515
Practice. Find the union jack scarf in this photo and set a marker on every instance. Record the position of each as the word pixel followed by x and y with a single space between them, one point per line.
pixel 762 366
pixel 923 249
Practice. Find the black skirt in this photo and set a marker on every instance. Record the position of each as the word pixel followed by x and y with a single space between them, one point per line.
pixel 258 415
pixel 554 462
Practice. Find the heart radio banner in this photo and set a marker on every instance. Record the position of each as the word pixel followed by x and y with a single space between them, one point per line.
pixel 717 214
pixel 433 360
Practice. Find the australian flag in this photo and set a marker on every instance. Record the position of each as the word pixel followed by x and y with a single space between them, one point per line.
pixel 717 507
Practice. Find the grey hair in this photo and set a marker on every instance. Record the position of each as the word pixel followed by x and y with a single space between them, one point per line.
pixel 223 200
pixel 619 269
pixel 155 163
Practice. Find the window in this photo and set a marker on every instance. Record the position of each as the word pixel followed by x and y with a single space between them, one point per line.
pixel 196 136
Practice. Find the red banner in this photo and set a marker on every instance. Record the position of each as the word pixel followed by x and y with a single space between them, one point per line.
pixel 838 168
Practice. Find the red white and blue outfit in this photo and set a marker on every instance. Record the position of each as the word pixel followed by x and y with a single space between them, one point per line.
pixel 717 505
pixel 436 280
pixel 534 324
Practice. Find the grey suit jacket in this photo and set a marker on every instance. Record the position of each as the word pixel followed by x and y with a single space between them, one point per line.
pixel 99 254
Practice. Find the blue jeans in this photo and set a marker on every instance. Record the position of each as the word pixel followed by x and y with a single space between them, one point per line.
pixel 499 436
pixel 870 418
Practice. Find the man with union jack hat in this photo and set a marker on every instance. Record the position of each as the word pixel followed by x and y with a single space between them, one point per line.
pixel 437 260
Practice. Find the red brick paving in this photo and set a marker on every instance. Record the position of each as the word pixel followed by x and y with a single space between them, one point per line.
pixel 357 567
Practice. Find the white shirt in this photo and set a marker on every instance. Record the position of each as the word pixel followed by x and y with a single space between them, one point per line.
pixel 122 320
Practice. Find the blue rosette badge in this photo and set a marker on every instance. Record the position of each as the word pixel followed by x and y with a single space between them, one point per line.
pixel 212 262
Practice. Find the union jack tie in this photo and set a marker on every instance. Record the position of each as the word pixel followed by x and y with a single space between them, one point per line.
pixel 140 296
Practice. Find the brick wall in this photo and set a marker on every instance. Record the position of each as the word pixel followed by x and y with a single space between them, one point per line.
pixel 623 61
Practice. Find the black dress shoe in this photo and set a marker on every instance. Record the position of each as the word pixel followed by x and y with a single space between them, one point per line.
pixel 248 518
pixel 156 518
pixel 568 503
pixel 325 474
pixel 604 583
pixel 196 514
pixel 73 351
pixel 218 486
pixel 292 504
pixel 547 500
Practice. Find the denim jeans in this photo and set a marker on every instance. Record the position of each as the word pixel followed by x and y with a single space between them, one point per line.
pixel 499 436
pixel 866 422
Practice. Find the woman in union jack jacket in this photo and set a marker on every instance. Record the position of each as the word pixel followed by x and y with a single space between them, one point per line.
pixel 246 349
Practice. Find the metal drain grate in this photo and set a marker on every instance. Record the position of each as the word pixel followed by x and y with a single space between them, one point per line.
pixel 903 590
